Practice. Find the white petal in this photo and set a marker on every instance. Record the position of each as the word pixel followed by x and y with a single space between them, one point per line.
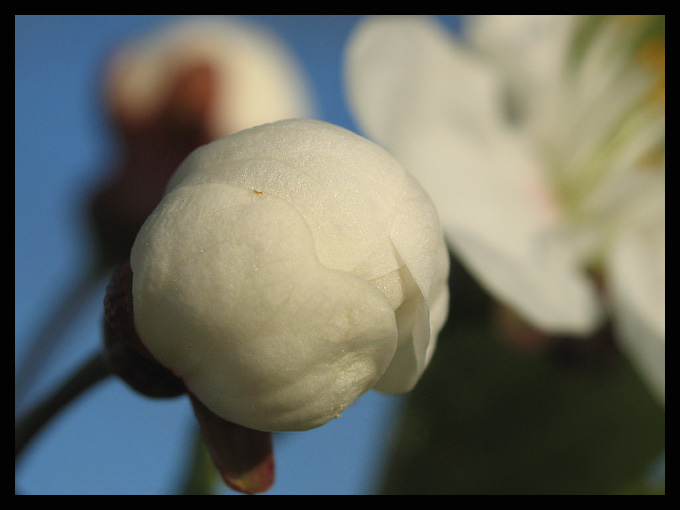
pixel 637 284
pixel 437 109
pixel 500 217
pixel 531 51
pixel 405 74
pixel 228 292
pixel 321 170
pixel 418 241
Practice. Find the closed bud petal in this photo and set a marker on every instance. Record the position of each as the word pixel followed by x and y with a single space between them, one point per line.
pixel 290 268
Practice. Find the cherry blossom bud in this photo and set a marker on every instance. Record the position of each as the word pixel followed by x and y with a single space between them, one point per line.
pixel 289 269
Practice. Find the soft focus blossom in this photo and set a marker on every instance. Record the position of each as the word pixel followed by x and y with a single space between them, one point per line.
pixel 177 88
pixel 256 77
pixel 541 140
pixel 290 268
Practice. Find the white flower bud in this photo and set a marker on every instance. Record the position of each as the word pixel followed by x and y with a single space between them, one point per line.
pixel 290 268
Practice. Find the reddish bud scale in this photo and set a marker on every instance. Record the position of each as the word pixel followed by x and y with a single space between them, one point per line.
pixel 244 457
pixel 129 358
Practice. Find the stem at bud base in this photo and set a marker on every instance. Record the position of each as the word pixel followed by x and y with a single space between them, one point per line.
pixel 244 457
pixel 89 374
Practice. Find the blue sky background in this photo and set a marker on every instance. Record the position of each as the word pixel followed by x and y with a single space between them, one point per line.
pixel 113 441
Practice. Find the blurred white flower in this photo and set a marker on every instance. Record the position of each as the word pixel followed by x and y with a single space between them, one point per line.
pixel 541 140
pixel 290 268
pixel 256 77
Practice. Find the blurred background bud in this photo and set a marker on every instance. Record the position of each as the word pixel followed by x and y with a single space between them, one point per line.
pixel 175 89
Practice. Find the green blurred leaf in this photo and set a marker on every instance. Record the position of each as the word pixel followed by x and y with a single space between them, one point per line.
pixel 643 488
